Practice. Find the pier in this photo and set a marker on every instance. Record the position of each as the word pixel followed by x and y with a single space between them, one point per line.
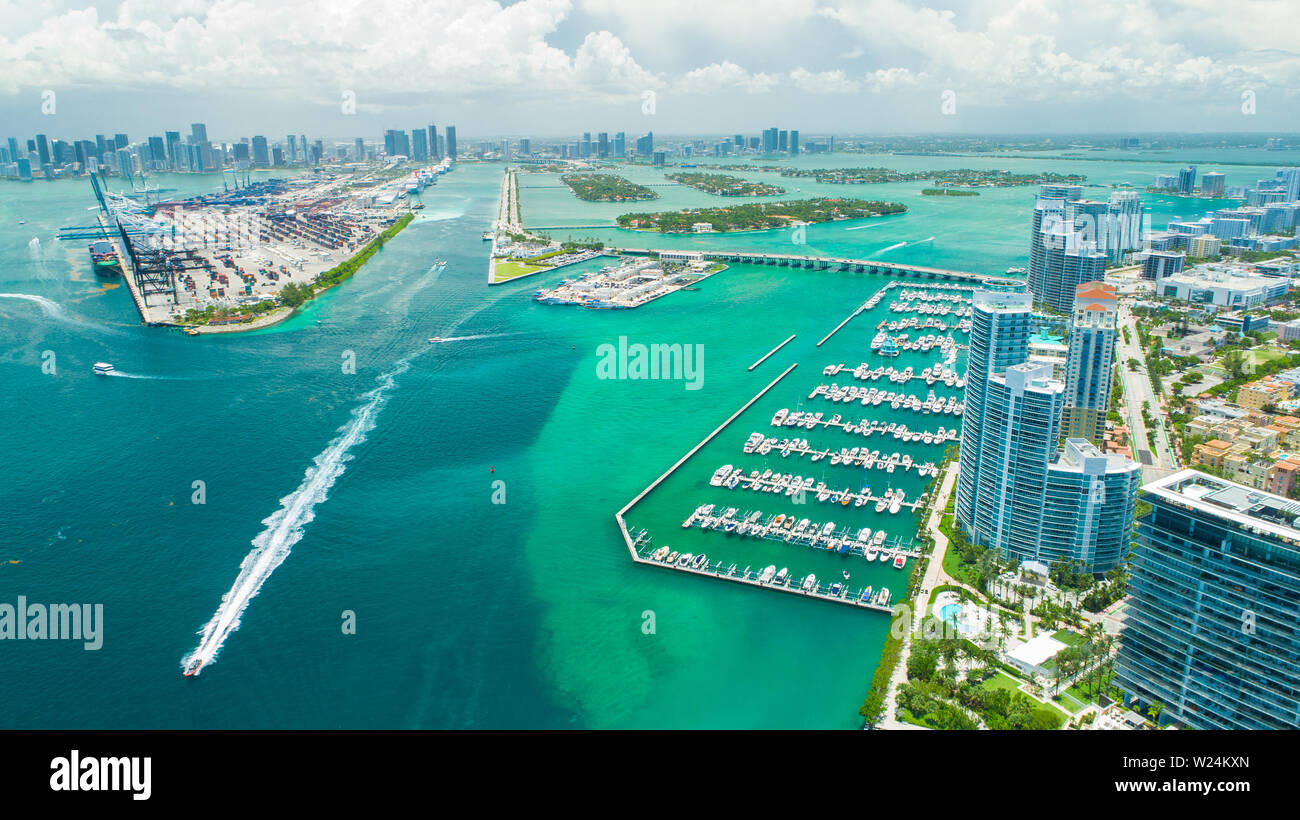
pixel 772 351
pixel 847 319
pixel 618 516
pixel 751 576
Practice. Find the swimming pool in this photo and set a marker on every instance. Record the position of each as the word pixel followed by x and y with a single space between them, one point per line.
pixel 949 613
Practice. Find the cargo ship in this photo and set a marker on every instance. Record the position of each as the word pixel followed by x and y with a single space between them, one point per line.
pixel 104 257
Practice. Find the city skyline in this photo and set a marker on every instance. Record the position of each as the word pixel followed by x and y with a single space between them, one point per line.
pixel 881 66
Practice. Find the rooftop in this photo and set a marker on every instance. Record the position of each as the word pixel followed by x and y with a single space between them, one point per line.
pixel 1256 510
pixel 1037 651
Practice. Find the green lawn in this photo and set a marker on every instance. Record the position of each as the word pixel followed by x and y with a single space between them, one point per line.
pixel 1264 355
pixel 1003 681
pixel 1070 703
pixel 1069 638
pixel 506 271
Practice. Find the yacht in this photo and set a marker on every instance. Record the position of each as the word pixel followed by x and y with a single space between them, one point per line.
pixel 897 503
pixel 810 583
pixel 872 553
pixel 720 475
pixel 660 554
pixel 766 574
pixel 781 576
pixel 899 561
pixel 672 557
pixel 685 560
pixel 102 368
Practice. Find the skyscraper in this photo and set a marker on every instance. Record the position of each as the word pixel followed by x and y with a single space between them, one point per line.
pixel 261 153
pixel 1090 361
pixel 451 141
pixel 783 141
pixel 1016 491
pixel 419 145
pixel 1001 324
pixel 769 140
pixel 602 145
pixel 175 151
pixel 1212 184
pixel 645 146
pixel 620 145
pixel 359 150
pixel 1156 265
pixel 43 148
pixel 435 150
pixel 157 154
pixel 1122 229
pixel 794 142
pixel 1063 245
pixel 1211 630
pixel 1187 179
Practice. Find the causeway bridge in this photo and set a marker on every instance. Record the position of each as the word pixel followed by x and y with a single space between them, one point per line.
pixel 834 263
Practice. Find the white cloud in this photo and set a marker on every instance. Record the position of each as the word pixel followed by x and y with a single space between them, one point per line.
pixel 825 82
pixel 724 77
pixel 1172 53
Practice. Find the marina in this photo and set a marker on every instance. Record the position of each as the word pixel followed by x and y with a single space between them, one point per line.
pixel 767 578
pixel 930 405
pixel 855 507
pixel 788 529
pixel 802 487
pixel 630 284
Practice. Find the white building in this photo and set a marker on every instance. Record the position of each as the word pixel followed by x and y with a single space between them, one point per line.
pixel 1224 286
pixel 1031 656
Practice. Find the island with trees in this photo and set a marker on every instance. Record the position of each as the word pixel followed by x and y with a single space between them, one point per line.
pixel 606 188
pixel 760 215
pixel 945 191
pixel 726 185
pixel 967 177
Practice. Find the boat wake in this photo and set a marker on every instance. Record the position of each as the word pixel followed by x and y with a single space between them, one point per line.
pixel 864 227
pixel 890 248
pixel 284 527
pixel 441 339
pixel 48 307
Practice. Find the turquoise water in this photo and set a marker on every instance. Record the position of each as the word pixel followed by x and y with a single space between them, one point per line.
pixel 469 613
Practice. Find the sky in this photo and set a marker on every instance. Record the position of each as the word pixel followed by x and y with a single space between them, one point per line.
pixel 553 68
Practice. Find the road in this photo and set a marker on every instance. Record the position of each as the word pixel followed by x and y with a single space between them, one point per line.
pixel 1138 389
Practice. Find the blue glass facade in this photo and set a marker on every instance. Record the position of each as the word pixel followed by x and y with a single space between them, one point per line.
pixel 1016 491
pixel 1213 631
